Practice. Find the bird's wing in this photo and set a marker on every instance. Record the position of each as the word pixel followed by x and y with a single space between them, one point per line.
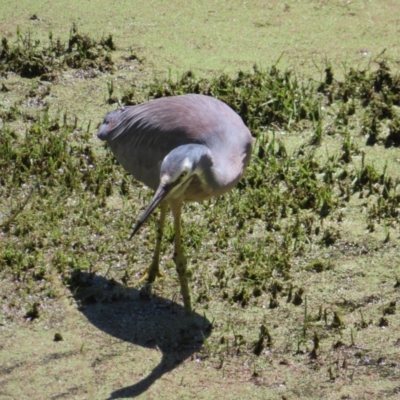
pixel 141 136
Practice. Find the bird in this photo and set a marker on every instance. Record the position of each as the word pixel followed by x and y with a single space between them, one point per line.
pixel 189 147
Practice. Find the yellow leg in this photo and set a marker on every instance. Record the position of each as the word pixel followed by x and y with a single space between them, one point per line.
pixel 179 256
pixel 153 271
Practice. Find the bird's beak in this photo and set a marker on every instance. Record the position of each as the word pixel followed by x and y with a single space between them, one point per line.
pixel 159 196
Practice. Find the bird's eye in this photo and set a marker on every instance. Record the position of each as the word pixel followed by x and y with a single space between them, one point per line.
pixel 182 175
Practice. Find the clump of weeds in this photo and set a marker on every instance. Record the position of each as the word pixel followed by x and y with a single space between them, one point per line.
pixel 29 58
pixel 53 189
pixel 261 97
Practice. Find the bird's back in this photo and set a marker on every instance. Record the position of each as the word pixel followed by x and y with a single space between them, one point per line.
pixel 141 136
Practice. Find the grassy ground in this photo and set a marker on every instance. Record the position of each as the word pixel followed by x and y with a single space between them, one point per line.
pixel 294 274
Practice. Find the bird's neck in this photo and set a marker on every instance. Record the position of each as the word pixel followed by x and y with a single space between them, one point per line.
pixel 218 175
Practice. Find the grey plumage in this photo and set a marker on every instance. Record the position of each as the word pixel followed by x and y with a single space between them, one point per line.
pixel 186 148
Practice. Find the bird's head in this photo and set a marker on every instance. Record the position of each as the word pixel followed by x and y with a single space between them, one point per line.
pixel 176 172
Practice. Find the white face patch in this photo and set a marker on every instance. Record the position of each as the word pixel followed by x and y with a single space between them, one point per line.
pixel 165 179
pixel 186 164
pixel 184 170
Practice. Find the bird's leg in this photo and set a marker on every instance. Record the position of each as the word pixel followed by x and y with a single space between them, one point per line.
pixel 179 256
pixel 153 271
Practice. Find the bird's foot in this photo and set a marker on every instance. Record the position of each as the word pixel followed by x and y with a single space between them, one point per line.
pixel 145 291
pixel 150 274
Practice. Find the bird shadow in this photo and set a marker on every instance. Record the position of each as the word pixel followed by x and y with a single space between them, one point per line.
pixel 156 323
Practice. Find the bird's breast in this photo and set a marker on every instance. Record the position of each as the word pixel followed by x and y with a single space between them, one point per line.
pixel 197 191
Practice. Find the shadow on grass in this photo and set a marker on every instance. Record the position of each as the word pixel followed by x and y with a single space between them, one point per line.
pixel 156 323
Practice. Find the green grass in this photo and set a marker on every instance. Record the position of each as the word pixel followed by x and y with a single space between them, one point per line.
pixel 224 37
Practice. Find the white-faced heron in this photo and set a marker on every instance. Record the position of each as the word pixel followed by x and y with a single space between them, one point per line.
pixel 186 148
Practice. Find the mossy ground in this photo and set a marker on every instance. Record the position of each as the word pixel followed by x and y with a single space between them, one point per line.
pixel 294 274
